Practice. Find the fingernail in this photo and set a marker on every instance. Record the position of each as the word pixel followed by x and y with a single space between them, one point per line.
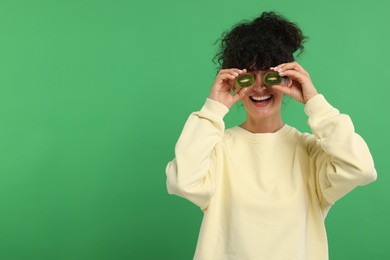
pixel 235 74
pixel 240 71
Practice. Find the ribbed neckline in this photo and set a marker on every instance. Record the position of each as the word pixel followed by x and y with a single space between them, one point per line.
pixel 262 137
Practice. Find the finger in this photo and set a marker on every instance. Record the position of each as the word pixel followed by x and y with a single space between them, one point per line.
pixel 293 74
pixel 292 92
pixel 295 66
pixel 290 66
pixel 226 75
pixel 230 74
pixel 232 70
pixel 287 91
pixel 240 94
pixel 281 89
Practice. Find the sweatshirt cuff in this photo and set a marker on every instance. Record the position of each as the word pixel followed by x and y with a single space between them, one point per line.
pixel 318 107
pixel 215 108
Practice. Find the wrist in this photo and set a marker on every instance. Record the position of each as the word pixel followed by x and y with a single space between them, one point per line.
pixel 218 99
pixel 310 96
pixel 215 107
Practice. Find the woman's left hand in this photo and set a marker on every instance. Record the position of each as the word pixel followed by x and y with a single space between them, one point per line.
pixel 300 87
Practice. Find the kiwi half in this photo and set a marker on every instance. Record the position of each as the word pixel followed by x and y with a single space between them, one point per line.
pixel 244 80
pixel 272 78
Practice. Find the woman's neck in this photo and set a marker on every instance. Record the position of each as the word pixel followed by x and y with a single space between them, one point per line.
pixel 266 125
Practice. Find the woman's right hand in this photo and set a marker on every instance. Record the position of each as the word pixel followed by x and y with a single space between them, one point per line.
pixel 223 83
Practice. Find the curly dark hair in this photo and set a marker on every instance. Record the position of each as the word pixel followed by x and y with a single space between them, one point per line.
pixel 264 42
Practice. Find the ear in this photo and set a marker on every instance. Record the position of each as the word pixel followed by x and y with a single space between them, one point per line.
pixel 288 81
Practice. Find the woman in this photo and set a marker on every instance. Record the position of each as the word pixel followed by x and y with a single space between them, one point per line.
pixel 264 187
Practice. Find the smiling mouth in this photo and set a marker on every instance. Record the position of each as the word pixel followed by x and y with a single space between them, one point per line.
pixel 261 99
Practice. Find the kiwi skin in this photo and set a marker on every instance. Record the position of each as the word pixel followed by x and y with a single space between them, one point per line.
pixel 244 81
pixel 271 78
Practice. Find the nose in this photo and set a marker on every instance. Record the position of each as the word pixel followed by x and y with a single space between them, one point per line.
pixel 259 85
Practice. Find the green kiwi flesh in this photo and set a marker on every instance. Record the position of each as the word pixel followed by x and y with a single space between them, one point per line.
pixel 271 78
pixel 244 80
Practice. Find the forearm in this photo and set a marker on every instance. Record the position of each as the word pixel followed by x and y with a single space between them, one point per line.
pixel 347 161
pixel 191 173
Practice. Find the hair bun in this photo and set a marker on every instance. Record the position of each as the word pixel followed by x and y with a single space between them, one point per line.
pixel 266 41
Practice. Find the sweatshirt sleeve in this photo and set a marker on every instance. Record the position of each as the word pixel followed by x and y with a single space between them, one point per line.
pixel 191 174
pixel 341 158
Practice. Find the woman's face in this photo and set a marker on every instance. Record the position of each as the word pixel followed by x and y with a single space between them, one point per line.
pixel 261 101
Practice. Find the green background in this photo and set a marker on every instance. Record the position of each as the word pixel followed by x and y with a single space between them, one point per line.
pixel 94 94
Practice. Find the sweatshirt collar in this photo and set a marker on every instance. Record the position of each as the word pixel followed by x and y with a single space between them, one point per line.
pixel 262 137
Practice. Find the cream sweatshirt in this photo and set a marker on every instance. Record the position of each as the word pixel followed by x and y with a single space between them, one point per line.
pixel 266 196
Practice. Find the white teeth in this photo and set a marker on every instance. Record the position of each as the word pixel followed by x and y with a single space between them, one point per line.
pixel 261 98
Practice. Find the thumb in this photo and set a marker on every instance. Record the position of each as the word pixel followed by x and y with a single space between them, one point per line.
pixel 282 89
pixel 240 94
